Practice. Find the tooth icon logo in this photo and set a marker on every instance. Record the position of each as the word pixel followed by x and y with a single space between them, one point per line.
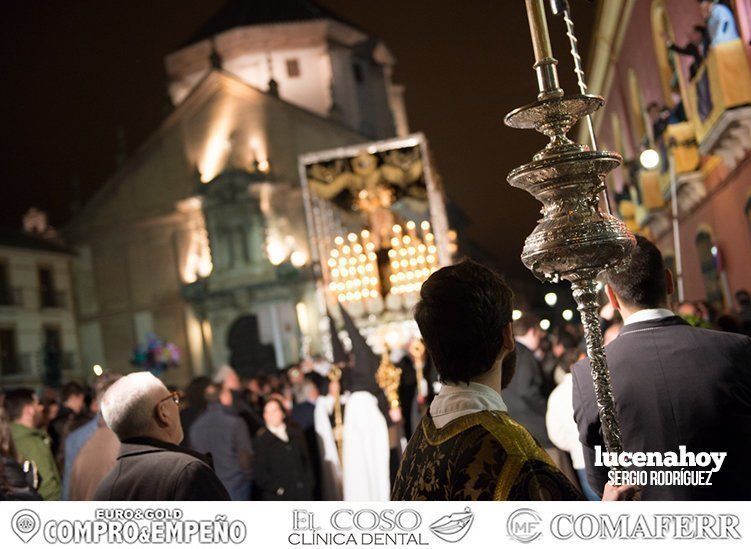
pixel 25 523
pixel 453 527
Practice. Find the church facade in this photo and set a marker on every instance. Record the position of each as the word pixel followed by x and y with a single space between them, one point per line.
pixel 200 237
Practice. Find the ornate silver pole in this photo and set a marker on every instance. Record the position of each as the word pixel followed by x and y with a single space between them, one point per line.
pixel 562 6
pixel 574 240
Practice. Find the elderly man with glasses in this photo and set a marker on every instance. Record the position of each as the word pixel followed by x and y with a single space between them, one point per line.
pixel 151 466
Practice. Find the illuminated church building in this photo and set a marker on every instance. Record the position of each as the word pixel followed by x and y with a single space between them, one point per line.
pixel 200 237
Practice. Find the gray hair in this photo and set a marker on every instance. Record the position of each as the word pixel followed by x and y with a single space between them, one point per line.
pixel 222 374
pixel 128 405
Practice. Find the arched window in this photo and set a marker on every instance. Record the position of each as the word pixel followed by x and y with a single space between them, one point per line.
pixel 707 252
pixel 671 77
pixel 636 106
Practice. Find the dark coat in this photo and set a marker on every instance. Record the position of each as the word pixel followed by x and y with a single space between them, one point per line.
pixel 282 469
pixel 15 483
pixel 674 385
pixel 527 395
pixel 149 469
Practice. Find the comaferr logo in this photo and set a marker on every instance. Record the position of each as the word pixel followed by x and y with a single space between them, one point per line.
pixel 524 525
pixel 639 526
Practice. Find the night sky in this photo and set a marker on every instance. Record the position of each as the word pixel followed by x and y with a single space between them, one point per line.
pixel 75 71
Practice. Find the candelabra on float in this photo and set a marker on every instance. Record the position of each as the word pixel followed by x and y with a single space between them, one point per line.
pixel 574 240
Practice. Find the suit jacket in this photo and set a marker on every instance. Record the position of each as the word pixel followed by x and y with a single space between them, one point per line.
pixel 674 385
pixel 527 395
pixel 93 462
pixel 152 470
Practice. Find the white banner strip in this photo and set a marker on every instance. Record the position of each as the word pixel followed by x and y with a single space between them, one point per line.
pixel 271 525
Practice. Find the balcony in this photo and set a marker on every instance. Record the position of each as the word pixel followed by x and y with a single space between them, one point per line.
pixel 11 297
pixel 720 103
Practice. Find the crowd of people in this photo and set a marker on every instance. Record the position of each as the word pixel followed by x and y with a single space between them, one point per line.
pixel 279 436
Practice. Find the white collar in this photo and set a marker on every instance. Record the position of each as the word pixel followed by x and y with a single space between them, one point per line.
pixel 648 314
pixel 459 400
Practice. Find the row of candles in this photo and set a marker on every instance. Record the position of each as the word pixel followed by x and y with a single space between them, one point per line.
pixel 354 275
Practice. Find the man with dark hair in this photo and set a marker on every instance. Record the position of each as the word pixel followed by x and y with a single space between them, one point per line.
pixel 467 447
pixel 674 385
pixel 33 444
pixel 527 394
pixel 70 416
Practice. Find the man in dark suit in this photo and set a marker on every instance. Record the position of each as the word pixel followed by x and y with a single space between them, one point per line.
pixel 674 385
pixel 151 466
pixel 527 394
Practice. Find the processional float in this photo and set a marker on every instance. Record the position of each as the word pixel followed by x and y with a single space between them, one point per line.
pixel 574 240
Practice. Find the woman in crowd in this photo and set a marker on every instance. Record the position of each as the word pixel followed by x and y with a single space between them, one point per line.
pixel 282 465
pixel 16 481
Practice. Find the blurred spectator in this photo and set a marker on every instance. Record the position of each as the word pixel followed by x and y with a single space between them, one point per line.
pixel 97 452
pixel 78 438
pixel 720 22
pixel 565 350
pixel 94 462
pixel 32 443
pixel 229 381
pixel 16 483
pixel 282 469
pixel 195 394
pixel 221 431
pixel 71 415
pixel 562 428
pixel 303 414
pixel 743 299
pixel 527 394
pixel 696 48
pixel 728 323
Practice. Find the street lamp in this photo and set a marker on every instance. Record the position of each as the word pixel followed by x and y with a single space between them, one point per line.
pixel 551 298
pixel 649 159
pixel 545 324
pixel 567 315
pixel 516 314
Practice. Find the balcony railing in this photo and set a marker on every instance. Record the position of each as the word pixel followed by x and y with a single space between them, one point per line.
pixel 722 83
pixel 11 297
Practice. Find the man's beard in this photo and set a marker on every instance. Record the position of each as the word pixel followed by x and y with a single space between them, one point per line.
pixel 508 367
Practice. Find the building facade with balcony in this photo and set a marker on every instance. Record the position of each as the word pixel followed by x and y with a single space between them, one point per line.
pixel 685 92
pixel 38 338
pixel 200 237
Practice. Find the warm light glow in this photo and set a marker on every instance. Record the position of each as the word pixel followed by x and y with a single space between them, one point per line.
pixel 214 157
pixel 263 165
pixel 276 252
pixel 551 298
pixel 567 315
pixel 545 324
pixel 302 317
pixel 649 159
pixel 198 260
pixel 97 370
pixel 516 315
pixel 298 258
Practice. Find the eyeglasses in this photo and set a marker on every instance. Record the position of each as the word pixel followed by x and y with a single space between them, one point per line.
pixel 174 395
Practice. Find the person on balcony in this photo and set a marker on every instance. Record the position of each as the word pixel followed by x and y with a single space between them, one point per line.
pixel 696 48
pixel 720 21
